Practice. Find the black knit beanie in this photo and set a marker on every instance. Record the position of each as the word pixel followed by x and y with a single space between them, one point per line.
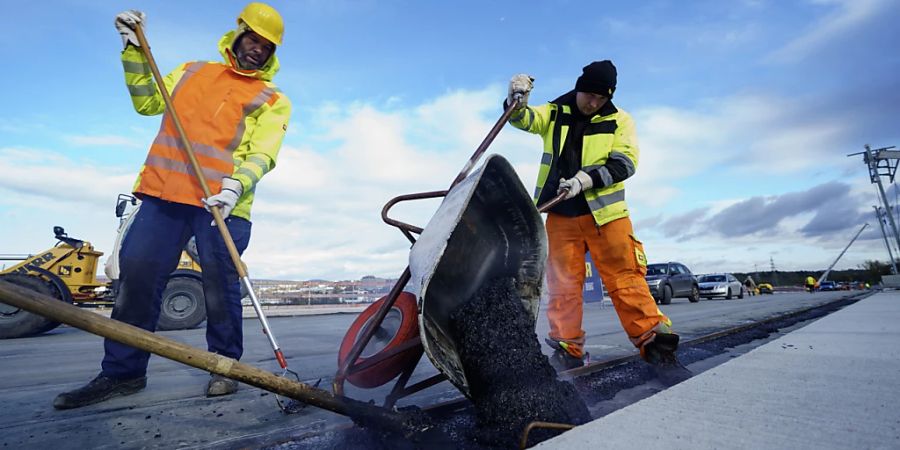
pixel 598 77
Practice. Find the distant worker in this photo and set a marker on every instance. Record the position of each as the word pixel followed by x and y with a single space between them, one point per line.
pixel 750 285
pixel 590 148
pixel 236 119
pixel 810 284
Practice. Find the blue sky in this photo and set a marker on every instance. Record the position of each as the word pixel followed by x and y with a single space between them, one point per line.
pixel 745 112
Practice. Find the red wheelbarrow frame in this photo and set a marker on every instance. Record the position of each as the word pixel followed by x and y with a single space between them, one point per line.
pixel 351 365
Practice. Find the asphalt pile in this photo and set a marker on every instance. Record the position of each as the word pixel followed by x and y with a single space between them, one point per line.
pixel 511 382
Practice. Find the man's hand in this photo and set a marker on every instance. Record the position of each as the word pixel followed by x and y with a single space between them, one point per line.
pixel 226 198
pixel 575 185
pixel 126 22
pixel 519 87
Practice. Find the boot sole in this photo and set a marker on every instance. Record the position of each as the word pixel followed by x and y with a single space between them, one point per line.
pixel 122 390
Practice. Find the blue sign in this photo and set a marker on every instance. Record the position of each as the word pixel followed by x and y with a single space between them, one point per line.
pixel 593 285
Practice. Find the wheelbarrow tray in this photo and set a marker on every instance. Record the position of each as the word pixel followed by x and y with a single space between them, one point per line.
pixel 486 227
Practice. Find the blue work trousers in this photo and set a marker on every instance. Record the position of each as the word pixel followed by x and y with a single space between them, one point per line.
pixel 150 253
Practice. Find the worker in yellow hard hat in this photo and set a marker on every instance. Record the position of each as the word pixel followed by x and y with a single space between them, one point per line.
pixel 236 119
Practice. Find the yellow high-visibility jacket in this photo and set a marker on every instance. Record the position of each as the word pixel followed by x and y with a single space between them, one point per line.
pixel 235 119
pixel 610 135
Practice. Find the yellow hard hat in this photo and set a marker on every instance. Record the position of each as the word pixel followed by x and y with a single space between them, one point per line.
pixel 263 20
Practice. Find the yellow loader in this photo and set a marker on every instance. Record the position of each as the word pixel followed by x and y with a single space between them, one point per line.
pixel 67 271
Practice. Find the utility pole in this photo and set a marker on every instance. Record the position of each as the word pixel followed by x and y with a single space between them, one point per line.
pixel 887 244
pixel 882 162
pixel 772 265
pixel 827 271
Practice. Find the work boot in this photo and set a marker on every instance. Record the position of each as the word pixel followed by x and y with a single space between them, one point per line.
pixel 659 352
pixel 99 389
pixel 219 385
pixel 563 358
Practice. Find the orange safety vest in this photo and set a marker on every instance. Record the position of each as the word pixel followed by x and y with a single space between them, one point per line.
pixel 212 102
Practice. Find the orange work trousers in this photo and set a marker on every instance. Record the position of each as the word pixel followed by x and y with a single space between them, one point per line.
pixel 621 263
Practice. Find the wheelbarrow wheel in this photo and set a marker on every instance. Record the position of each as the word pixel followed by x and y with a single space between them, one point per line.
pixel 400 325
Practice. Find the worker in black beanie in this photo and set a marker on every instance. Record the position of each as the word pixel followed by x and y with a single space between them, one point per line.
pixel 590 149
pixel 598 77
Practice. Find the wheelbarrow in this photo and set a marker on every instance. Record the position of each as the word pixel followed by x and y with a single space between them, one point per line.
pixel 486 227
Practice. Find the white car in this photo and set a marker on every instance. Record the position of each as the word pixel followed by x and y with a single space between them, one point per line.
pixel 720 285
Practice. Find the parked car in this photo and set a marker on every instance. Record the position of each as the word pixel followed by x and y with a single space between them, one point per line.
pixel 670 280
pixel 720 285
pixel 828 286
pixel 765 288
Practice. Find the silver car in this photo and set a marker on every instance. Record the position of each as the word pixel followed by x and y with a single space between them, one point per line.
pixel 720 285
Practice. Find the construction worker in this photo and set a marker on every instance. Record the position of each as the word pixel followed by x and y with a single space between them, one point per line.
pixel 810 284
pixel 750 285
pixel 590 148
pixel 236 119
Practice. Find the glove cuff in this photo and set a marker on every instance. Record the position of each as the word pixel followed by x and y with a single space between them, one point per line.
pixel 233 185
pixel 586 181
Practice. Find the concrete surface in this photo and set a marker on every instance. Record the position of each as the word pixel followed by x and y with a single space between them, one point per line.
pixel 832 384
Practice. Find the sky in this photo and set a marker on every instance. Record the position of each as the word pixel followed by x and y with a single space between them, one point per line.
pixel 745 110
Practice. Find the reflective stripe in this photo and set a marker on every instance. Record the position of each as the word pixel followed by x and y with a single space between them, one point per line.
pixel 537 193
pixel 182 167
pixel 188 72
pixel 546 159
pixel 201 149
pixel 139 68
pixel 254 178
pixel 606 200
pixel 604 174
pixel 254 104
pixel 629 164
pixel 260 161
pixel 142 90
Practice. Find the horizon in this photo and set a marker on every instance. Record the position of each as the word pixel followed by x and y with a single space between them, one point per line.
pixel 745 113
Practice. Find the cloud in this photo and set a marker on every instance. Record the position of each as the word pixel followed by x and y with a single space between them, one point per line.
pixel 845 16
pixel 46 174
pixel 820 211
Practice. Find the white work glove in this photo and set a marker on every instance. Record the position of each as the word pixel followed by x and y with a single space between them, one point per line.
pixel 226 198
pixel 575 185
pixel 520 85
pixel 126 22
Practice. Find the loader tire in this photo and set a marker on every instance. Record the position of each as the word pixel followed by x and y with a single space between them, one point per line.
pixel 400 326
pixel 183 305
pixel 17 323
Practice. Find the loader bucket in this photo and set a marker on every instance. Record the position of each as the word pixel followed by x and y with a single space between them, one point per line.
pixel 486 227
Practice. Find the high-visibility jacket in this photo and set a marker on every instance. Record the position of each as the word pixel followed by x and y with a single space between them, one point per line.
pixel 235 119
pixel 810 281
pixel 610 135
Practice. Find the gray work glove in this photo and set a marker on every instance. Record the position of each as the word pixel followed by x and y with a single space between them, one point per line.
pixel 519 87
pixel 126 22
pixel 575 185
pixel 226 199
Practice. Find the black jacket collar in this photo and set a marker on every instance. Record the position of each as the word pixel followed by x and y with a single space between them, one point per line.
pixel 569 99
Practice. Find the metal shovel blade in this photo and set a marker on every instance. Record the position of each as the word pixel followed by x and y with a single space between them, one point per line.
pixel 486 227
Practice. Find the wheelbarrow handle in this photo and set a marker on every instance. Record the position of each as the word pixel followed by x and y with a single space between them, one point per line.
pixel 553 201
pixel 486 142
pixel 404 227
